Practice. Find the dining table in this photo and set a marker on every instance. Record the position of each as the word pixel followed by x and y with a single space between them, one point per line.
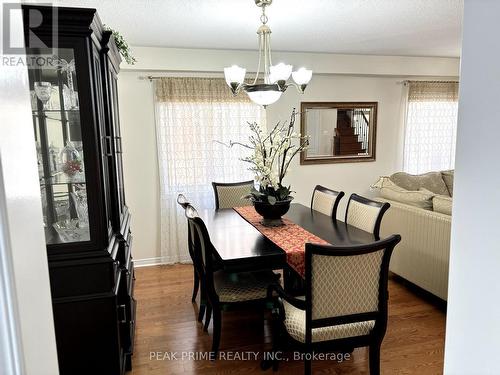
pixel 240 247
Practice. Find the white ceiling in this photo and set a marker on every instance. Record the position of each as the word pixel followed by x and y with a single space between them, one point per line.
pixel 382 27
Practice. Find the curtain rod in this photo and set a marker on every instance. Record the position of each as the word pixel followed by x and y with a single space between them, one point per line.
pixel 405 82
pixel 150 78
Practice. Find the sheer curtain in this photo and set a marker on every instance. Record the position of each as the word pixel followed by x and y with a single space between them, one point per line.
pixel 431 126
pixel 192 114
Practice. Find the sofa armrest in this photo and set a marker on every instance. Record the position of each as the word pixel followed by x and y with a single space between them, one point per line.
pixel 422 257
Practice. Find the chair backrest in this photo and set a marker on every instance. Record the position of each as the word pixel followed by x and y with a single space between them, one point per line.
pixel 348 284
pixel 202 248
pixel 326 201
pixel 365 214
pixel 228 195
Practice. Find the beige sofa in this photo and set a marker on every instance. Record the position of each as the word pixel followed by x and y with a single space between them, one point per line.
pixel 422 257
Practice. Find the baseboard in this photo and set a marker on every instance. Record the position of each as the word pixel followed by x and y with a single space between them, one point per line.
pixel 157 261
pixel 149 262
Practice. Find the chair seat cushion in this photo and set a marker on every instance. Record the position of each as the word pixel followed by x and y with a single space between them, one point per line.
pixel 244 286
pixel 295 324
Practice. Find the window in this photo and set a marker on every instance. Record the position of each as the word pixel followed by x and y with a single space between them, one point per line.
pixel 431 126
pixel 192 116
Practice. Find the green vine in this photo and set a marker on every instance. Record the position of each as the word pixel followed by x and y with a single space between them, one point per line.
pixel 122 46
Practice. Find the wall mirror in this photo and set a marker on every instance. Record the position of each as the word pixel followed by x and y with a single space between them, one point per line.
pixel 339 132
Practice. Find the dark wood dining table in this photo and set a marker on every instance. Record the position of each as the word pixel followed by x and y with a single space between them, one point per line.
pixel 240 247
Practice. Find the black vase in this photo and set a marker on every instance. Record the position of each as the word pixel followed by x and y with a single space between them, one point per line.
pixel 272 213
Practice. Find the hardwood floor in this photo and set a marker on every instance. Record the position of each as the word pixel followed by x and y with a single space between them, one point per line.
pixel 166 324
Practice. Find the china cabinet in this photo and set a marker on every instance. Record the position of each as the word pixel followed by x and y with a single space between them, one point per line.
pixel 73 83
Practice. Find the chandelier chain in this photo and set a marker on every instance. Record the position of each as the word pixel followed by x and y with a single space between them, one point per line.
pixel 263 17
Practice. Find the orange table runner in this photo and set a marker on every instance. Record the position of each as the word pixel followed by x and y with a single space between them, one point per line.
pixel 289 237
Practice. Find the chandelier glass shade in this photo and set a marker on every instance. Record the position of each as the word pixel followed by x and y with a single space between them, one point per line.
pixel 275 78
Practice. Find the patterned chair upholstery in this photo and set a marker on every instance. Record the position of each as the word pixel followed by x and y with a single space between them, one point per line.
pixel 228 195
pixel 240 287
pixel 326 201
pixel 224 290
pixel 345 305
pixel 365 214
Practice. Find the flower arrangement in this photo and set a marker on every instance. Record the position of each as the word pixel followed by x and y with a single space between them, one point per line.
pixel 270 160
pixel 72 167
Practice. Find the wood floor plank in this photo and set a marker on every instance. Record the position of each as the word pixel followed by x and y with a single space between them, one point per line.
pixel 166 323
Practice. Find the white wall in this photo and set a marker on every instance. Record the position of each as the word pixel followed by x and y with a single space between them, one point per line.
pixel 336 78
pixel 473 325
pixel 140 163
pixel 22 241
pixel 349 177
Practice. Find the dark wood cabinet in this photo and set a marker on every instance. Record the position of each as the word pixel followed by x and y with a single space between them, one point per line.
pixel 73 83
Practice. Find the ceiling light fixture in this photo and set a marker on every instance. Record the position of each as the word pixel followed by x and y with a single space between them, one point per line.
pixel 275 77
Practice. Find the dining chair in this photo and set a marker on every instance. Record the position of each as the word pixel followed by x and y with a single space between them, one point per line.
pixel 228 195
pixel 184 203
pixel 345 302
pixel 365 214
pixel 224 290
pixel 326 201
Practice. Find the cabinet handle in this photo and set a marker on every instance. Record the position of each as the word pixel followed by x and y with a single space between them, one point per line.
pixel 124 311
pixel 118 145
pixel 108 151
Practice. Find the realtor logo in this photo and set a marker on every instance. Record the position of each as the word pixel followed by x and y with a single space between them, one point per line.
pixel 41 29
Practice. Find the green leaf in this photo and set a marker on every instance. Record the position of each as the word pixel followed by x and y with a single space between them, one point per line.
pixel 271 200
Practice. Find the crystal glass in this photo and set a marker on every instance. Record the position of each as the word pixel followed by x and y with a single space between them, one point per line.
pixel 71 162
pixel 62 209
pixel 79 198
pixel 43 91
pixel 71 231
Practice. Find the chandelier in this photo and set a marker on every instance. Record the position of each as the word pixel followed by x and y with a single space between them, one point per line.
pixel 275 77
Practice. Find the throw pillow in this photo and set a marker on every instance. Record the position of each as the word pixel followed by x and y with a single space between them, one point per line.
pixel 442 204
pixel 383 181
pixel 419 199
pixel 448 177
pixel 431 181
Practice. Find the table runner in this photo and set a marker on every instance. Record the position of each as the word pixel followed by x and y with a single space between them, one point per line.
pixel 289 237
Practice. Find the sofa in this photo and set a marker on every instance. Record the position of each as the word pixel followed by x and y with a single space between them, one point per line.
pixel 421 213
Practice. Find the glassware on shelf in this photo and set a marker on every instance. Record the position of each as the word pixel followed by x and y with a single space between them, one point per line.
pixel 79 198
pixel 33 100
pixel 43 194
pixel 62 210
pixel 67 97
pixel 69 89
pixel 71 230
pixel 53 158
pixel 39 159
pixel 71 162
pixel 43 91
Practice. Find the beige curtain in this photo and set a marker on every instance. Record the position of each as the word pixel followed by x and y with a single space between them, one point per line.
pixel 431 126
pixel 188 89
pixel 192 114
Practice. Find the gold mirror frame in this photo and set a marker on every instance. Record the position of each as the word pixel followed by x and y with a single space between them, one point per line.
pixel 325 159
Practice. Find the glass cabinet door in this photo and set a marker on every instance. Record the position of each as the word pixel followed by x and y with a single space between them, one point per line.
pixel 58 135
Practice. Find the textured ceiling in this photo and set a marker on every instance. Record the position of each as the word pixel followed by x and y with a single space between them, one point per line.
pixel 385 27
